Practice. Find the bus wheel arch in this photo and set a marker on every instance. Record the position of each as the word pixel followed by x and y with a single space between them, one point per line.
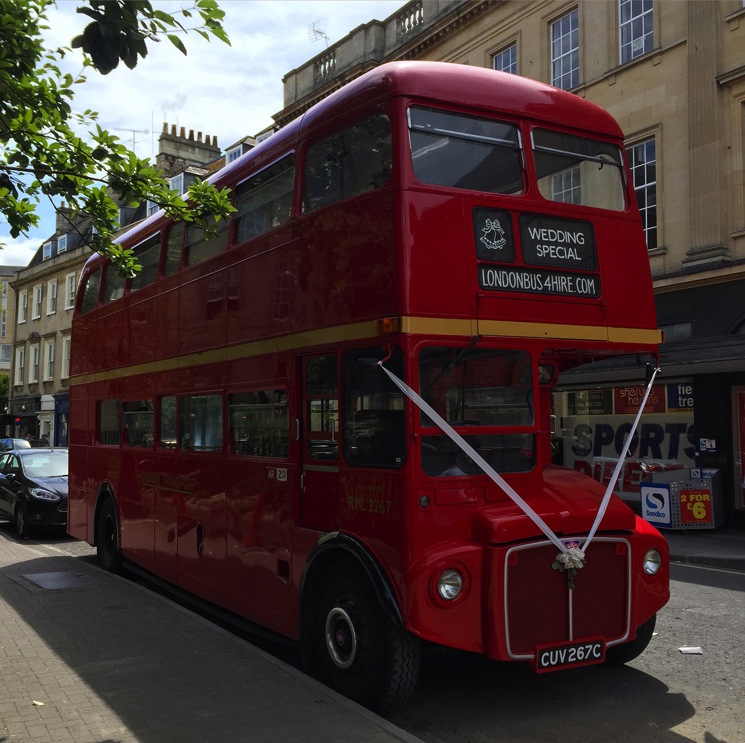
pixel 622 654
pixel 106 531
pixel 353 639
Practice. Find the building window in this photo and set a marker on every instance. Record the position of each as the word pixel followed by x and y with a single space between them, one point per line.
pixel 48 246
pixel 565 51
pixel 51 297
pixel 636 32
pixel 642 161
pixel 48 361
pixel 6 353
pixel 36 308
pixel 65 373
pixel 20 366
pixel 232 154
pixel 22 306
pixel 62 244
pixel 70 286
pixel 506 60
pixel 566 186
pixel 4 311
pixel 33 372
pixel 177 183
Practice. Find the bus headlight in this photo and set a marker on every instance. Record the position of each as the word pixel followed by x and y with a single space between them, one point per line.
pixel 450 585
pixel 652 562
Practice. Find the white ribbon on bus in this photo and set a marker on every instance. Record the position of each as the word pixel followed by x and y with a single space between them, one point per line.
pixel 576 555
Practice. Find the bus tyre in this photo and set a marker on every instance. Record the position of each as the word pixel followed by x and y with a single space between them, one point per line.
pixel 360 652
pixel 620 654
pixel 21 523
pixel 107 537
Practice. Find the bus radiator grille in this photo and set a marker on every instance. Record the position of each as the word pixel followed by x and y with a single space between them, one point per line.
pixel 541 609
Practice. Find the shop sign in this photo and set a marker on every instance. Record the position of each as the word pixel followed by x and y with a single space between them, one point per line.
pixel 628 399
pixel 656 504
pixel 680 396
pixel 696 507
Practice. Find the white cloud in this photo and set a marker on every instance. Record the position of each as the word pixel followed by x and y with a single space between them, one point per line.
pixel 224 91
pixel 18 252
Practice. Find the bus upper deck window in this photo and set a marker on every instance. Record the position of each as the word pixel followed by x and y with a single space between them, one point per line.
pixel 461 151
pixel 90 292
pixel 148 255
pixel 264 201
pixel 351 162
pixel 576 170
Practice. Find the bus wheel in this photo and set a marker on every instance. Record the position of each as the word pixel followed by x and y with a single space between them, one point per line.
pixel 621 654
pixel 21 523
pixel 107 538
pixel 360 652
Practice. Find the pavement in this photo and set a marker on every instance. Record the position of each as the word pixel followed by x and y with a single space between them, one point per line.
pixel 718 548
pixel 89 657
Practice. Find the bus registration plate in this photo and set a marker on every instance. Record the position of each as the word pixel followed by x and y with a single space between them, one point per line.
pixel 569 655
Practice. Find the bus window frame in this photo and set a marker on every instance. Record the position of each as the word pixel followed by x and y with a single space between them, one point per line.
pixel 292 155
pixel 138 247
pixel 494 117
pixel 342 125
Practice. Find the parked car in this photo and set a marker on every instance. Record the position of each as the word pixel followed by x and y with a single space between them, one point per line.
pixel 8 444
pixel 33 488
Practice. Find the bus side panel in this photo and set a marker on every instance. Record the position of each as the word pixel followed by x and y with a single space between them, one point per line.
pixel 344 263
pixel 259 534
pixel 261 287
pixel 200 527
pixel 166 516
pixel 135 495
pixel 167 333
pixel 441 279
pixel 80 497
pixel 142 329
pixel 202 307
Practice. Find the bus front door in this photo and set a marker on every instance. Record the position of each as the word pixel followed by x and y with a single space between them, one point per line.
pixel 320 442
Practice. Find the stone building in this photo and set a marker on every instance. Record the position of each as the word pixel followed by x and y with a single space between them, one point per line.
pixel 673 75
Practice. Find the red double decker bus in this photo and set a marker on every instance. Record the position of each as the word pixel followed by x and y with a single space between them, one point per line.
pixel 333 416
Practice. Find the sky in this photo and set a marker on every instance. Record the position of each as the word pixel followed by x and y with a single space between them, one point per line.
pixel 224 91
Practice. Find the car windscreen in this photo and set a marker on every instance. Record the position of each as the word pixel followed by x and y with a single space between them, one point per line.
pixel 45 464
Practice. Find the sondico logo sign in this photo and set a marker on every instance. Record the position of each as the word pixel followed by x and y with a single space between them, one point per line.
pixel 656 504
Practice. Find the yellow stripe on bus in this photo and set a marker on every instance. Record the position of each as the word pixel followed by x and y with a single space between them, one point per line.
pixel 358 331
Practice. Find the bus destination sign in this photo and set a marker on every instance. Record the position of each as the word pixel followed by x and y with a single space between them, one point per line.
pixel 532 281
pixel 558 243
pixel 564 244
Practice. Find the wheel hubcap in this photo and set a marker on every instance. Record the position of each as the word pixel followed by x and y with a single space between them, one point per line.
pixel 341 638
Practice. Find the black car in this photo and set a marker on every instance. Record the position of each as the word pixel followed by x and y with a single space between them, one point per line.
pixel 33 488
pixel 8 444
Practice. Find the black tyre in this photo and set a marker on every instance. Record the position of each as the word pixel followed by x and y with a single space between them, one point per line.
pixel 359 651
pixel 108 548
pixel 23 528
pixel 621 654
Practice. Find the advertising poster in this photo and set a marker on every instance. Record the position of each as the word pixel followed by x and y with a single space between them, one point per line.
pixel 597 423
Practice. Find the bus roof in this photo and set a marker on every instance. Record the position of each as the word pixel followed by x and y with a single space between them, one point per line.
pixel 473 87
